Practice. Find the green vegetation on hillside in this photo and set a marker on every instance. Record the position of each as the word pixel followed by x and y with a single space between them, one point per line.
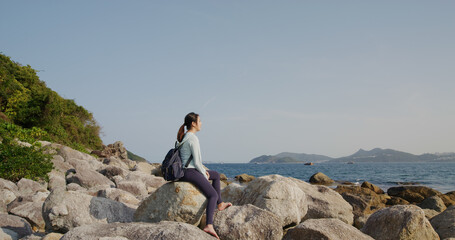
pixel 18 161
pixel 30 111
pixel 26 101
pixel 135 157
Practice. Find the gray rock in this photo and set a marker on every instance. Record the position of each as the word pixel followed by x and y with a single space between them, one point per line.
pixel 326 228
pixel 32 210
pixel 324 202
pixel 16 224
pixel 65 210
pixel 119 195
pixel 85 164
pixel 434 203
pixel 133 231
pixel 444 223
pixel 56 180
pixel 53 236
pixel 174 201
pixel 247 222
pixel 430 213
pixel 156 169
pixel 233 192
pixel 145 167
pixel 279 195
pixel 60 165
pixel 7 234
pixel 30 187
pixel 88 178
pixel 6 184
pixel 112 171
pixel 114 161
pixel 34 236
pixel 399 222
pixel 6 197
pixel 321 178
pixel 147 179
pixel 136 188
pixel 68 153
pixel 75 187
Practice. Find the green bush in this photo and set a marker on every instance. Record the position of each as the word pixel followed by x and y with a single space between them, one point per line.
pixel 18 162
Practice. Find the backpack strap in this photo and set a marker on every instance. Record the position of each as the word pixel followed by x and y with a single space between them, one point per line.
pixel 189 160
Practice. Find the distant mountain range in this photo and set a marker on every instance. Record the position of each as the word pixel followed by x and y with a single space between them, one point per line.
pixel 287 157
pixel 374 155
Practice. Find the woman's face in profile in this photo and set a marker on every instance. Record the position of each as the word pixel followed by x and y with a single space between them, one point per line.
pixel 197 125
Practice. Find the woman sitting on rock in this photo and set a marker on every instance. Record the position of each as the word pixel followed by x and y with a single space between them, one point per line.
pixel 196 173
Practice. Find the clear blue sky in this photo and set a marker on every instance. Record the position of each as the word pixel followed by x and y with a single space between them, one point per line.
pixel 321 77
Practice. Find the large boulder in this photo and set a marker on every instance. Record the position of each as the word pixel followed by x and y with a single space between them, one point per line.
pixel 279 195
pixel 401 222
pixel 247 222
pixel 16 224
pixel 174 201
pixel 413 194
pixel 133 231
pixel 444 223
pixel 434 203
pixel 321 178
pixel 88 178
pixel 325 228
pixel 233 192
pixel 65 210
pixel 29 187
pixel 324 202
pixel 32 210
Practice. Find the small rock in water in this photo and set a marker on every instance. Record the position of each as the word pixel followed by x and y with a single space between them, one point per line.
pixel 321 178
pixel 244 178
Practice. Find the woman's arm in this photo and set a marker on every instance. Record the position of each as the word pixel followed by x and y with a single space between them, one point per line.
pixel 196 153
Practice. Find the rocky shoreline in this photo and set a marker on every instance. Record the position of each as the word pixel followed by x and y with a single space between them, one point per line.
pixel 112 197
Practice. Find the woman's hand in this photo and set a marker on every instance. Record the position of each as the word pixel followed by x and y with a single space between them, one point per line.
pixel 208 174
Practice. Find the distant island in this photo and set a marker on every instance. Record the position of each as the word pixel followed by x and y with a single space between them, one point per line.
pixel 374 155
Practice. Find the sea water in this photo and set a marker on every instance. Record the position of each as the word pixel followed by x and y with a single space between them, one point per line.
pixel 439 176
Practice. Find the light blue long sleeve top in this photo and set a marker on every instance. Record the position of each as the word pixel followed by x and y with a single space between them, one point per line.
pixel 190 146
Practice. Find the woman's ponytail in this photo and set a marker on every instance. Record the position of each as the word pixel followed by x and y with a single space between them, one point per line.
pixel 180 133
pixel 189 119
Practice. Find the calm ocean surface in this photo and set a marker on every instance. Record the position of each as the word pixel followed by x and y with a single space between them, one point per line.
pixel 440 176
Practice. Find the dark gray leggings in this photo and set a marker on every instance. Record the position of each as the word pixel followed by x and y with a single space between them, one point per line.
pixel 211 191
